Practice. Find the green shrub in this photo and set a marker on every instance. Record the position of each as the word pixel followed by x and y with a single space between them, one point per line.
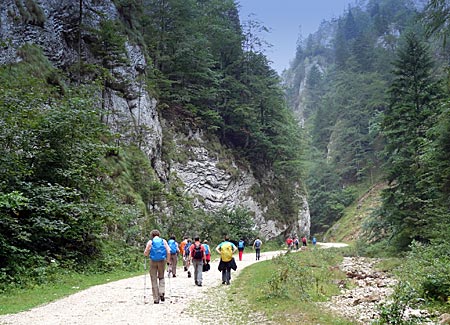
pixel 428 270
pixel 393 312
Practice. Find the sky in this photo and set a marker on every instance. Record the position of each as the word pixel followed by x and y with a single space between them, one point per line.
pixel 286 18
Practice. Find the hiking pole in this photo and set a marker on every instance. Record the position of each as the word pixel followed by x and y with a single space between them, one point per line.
pixel 170 286
pixel 145 281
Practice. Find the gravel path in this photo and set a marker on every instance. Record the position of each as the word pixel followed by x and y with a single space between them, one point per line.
pixel 122 302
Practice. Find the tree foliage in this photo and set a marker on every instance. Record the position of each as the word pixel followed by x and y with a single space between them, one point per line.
pixel 412 111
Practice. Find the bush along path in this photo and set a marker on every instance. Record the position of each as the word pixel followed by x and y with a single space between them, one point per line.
pixel 122 302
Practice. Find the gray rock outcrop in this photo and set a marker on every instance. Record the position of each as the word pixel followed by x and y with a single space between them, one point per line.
pixel 130 110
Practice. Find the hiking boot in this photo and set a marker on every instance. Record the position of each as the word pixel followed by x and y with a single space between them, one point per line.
pixel 162 298
pixel 228 283
pixel 156 302
pixel 199 284
pixel 174 276
pixel 189 274
pixel 223 282
pixel 185 269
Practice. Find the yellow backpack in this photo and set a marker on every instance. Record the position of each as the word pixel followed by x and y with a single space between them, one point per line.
pixel 226 252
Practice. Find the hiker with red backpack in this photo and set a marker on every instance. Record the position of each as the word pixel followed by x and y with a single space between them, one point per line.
pixel 226 249
pixel 158 250
pixel 304 241
pixel 197 256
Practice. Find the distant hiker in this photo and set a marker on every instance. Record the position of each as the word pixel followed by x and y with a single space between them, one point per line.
pixel 314 241
pixel 206 267
pixel 289 242
pixel 304 241
pixel 158 250
pixel 226 249
pixel 173 260
pixel 197 256
pixel 207 251
pixel 182 245
pixel 241 246
pixel 186 257
pixel 296 242
pixel 257 247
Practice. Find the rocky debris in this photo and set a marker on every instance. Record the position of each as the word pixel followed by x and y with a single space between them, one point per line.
pixel 372 288
pixel 444 319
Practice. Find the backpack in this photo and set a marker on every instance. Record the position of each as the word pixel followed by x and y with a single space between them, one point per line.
pixel 158 251
pixel 257 243
pixel 226 252
pixel 241 244
pixel 173 246
pixel 197 252
pixel 206 248
pixel 186 249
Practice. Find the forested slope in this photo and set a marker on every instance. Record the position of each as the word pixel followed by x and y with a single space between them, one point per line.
pixel 101 99
pixel 371 87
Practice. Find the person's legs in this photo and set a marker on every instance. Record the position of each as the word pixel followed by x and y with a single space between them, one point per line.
pixel 228 274
pixel 154 280
pixel 161 285
pixel 258 253
pixel 173 261
pixel 224 276
pixel 198 269
pixel 240 255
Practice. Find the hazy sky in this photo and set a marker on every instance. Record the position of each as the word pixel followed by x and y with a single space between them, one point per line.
pixel 286 18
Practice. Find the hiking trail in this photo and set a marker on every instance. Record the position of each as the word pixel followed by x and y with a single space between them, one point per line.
pixel 122 302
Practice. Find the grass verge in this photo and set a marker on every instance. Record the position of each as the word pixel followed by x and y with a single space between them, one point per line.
pixel 288 288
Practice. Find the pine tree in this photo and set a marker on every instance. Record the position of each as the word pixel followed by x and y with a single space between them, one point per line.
pixel 405 127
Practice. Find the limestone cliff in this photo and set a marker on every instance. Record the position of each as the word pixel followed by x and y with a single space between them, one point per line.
pixel 132 111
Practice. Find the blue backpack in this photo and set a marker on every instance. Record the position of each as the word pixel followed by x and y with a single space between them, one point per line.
pixel 158 251
pixel 206 248
pixel 186 249
pixel 173 246
pixel 241 244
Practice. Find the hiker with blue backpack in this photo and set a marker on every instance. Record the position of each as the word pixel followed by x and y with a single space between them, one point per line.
pixel 186 259
pixel 226 249
pixel 241 246
pixel 173 259
pixel 257 247
pixel 158 250
pixel 206 266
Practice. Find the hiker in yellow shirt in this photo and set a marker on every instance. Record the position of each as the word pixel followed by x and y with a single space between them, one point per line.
pixel 226 249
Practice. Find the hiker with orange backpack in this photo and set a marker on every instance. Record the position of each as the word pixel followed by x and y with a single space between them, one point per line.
pixel 182 245
pixel 226 249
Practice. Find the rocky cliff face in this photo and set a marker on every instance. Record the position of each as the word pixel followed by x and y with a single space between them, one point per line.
pixel 53 26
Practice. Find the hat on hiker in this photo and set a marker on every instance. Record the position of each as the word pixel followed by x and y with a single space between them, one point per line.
pixel 205 241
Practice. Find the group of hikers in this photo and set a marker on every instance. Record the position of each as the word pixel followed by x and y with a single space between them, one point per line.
pixel 292 242
pixel 195 254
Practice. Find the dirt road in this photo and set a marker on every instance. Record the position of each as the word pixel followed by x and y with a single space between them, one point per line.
pixel 122 302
